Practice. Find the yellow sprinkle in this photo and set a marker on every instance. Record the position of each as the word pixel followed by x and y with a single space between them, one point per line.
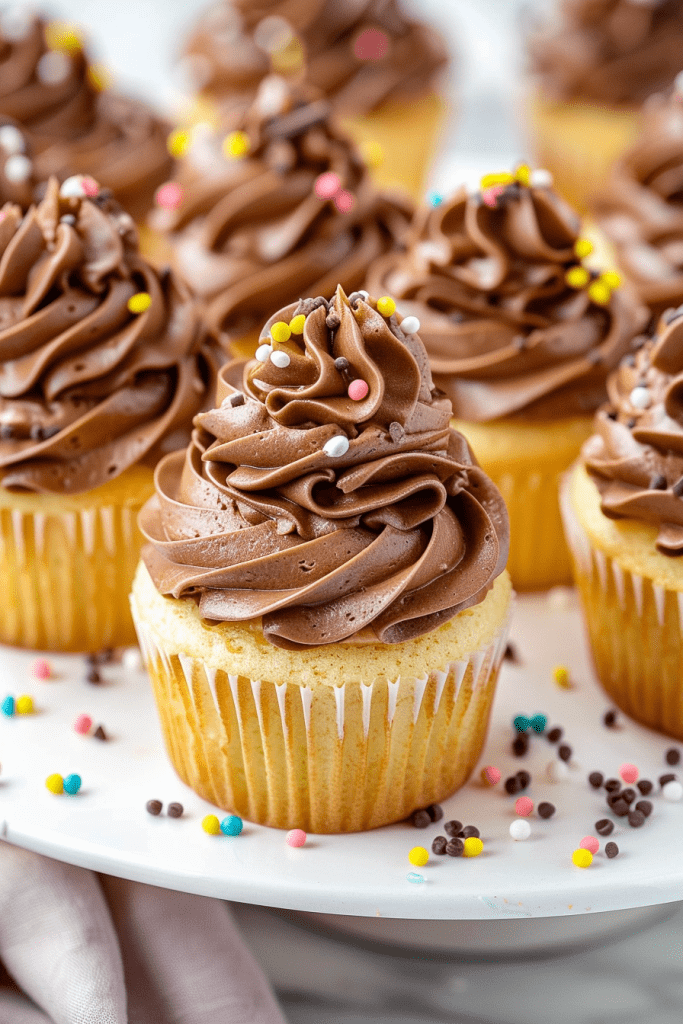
pixel 24 705
pixel 577 277
pixel 386 306
pixel 523 175
pixel 99 76
pixel 599 292
pixel 472 847
pixel 418 856
pixel 211 824
pixel 177 143
pixel 236 145
pixel 296 324
pixel 489 180
pixel 611 279
pixel 582 858
pixel 373 154
pixel 139 302
pixel 289 58
pixel 583 247
pixel 55 783
pixel 561 677
pixel 280 332
pixel 59 35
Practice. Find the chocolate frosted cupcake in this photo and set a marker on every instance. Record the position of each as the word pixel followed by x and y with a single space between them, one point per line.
pixel 520 336
pixel 378 67
pixel 623 509
pixel 279 207
pixel 641 208
pixel 593 69
pixel 48 85
pixel 101 372
pixel 322 605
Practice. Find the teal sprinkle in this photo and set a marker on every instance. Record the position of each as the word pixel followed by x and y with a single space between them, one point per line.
pixel 415 877
pixel 8 706
pixel 232 825
pixel 538 723
pixel 521 723
pixel 434 199
pixel 72 784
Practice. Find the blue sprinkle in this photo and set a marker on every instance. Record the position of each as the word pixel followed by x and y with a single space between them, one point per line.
pixel 72 784
pixel 415 877
pixel 231 826
pixel 521 723
pixel 8 706
pixel 538 723
pixel 434 199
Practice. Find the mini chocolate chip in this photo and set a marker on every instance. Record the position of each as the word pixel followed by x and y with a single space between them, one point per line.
pixel 628 795
pixel 667 777
pixel 672 756
pixel 333 319
pixel 520 745
pixel 512 654
pixel 610 718
pixel 645 807
pixel 435 812
pixel 524 779
pixel 612 785
pixel 174 810
pixel 236 399
pixel 341 363
pixel 396 432
pixel 604 827
pixel 451 828
pixel 545 809
pixel 678 487
pixel 630 423
pixel 354 297
pixel 596 779
pixel 307 306
pixel 93 676
pixel 635 818
pixel 469 832
pixel 100 734
pixel 564 752
pixel 439 845
pixel 611 415
pixel 420 819
pixel 154 807
pixel 645 786
pixel 36 432
pixel 657 482
pixel 611 850
pixel 454 847
pixel 620 808
pixel 554 735
pixel 512 785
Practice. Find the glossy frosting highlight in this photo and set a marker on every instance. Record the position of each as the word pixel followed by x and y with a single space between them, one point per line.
pixel 87 386
pixel 486 275
pixel 384 541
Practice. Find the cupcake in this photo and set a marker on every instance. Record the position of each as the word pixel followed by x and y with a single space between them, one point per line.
pixel 378 67
pixel 592 70
pixel 623 510
pixel 75 125
pixel 102 368
pixel 520 336
pixel 640 209
pixel 281 206
pixel 322 602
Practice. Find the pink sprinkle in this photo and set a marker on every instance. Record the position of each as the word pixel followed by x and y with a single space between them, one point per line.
pixel 629 773
pixel 297 837
pixel 83 724
pixel 170 195
pixel 344 201
pixel 524 806
pixel 372 44
pixel 327 185
pixel 491 774
pixel 358 389
pixel 590 843
pixel 490 195
pixel 90 186
pixel 42 669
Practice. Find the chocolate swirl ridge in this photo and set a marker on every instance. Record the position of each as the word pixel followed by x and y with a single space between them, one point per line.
pixel 505 333
pixel 385 539
pixel 88 387
pixel 636 454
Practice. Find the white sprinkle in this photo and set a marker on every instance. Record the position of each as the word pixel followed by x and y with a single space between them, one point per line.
pixel 272 96
pixel 336 446
pixel 18 168
pixel 672 791
pixel 16 22
pixel 541 178
pixel 68 218
pixel 366 295
pixel 410 325
pixel 72 188
pixel 272 33
pixel 557 771
pixel 640 398
pixel 280 359
pixel 53 67
pixel 11 139
pixel 131 659
pixel 520 829
pixel 263 353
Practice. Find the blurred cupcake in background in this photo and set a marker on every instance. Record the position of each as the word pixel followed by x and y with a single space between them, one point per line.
pixel 623 511
pixel 592 68
pixel 378 67
pixel 281 206
pixel 520 335
pixel 102 367
pixel 639 211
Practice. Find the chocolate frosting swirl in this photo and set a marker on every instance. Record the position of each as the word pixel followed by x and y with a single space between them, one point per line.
pixel 400 59
pixel 505 334
pixel 641 209
pixel 87 387
pixel 393 534
pixel 636 454
pixel 50 90
pixel 253 230
pixel 609 51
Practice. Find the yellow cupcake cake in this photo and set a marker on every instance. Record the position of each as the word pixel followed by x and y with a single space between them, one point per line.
pixel 322 604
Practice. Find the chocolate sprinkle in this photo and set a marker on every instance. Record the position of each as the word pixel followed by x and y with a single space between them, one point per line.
pixel 645 807
pixel 524 779
pixel 511 652
pixel 645 786
pixel 612 785
pixel 672 756
pixel 93 676
pixel 636 818
pixel 520 745
pixel 100 734
pixel 454 847
pixel 306 306
pixel 236 399
pixel 596 779
pixel 604 827
pixel 396 432
pixel 512 785
pixel 439 845
pixel 451 828
pixel 341 363
pixel 668 777
pixel 564 752
pixel 469 832
pixel 554 735
pixel 333 320
pixel 620 808
pixel 657 482
pixel 611 850
pixel 298 121
pixel 628 795
pixel 545 809
pixel 153 807
pixel 678 487
pixel 420 819
pixel 175 810
pixel 610 718
pixel 435 812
